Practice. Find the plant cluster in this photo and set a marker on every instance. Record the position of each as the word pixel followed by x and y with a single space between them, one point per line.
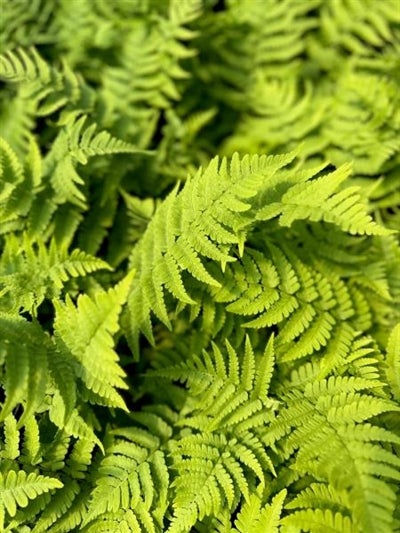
pixel 200 266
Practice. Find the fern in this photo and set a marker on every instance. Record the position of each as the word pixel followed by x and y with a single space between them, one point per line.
pixel 255 517
pixel 25 362
pixel 23 66
pixel 341 450
pixel 17 488
pixel 102 376
pixel 187 233
pixel 32 272
pixel 229 401
pixel 199 266
pixel 131 486
pixel 72 146
pixel 393 356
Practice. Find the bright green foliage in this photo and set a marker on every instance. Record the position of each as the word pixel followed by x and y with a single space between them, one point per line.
pixel 199 266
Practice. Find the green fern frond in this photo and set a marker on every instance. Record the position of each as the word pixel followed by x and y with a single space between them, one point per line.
pixel 10 446
pixel 31 271
pixel 369 26
pixel 76 144
pixel 228 393
pixel 15 187
pixel 320 496
pixel 371 102
pixel 17 488
pixel 280 114
pixel 254 517
pixel 205 220
pixel 310 306
pixel 228 403
pixel 60 504
pixel 322 425
pixel 23 24
pixel 85 333
pixel 132 478
pixel 317 200
pixel 393 362
pixel 143 84
pixel 23 65
pixel 281 30
pixel 26 347
pixel 319 521
pixel 42 88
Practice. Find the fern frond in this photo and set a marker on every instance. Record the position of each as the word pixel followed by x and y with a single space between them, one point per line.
pixel 228 403
pixel 280 31
pixel 317 200
pixel 320 521
pixel 142 85
pixel 85 332
pixel 31 271
pixel 322 424
pixel 10 447
pixel 369 26
pixel 59 505
pixel 367 103
pixel 228 393
pixel 26 360
pixel 24 24
pixel 17 488
pixel 76 144
pixel 254 517
pixel 132 477
pixel 23 65
pixel 15 188
pixel 311 306
pixel 393 362
pixel 320 496
pixel 205 220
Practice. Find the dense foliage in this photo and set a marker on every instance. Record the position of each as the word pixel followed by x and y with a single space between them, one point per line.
pixel 200 266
